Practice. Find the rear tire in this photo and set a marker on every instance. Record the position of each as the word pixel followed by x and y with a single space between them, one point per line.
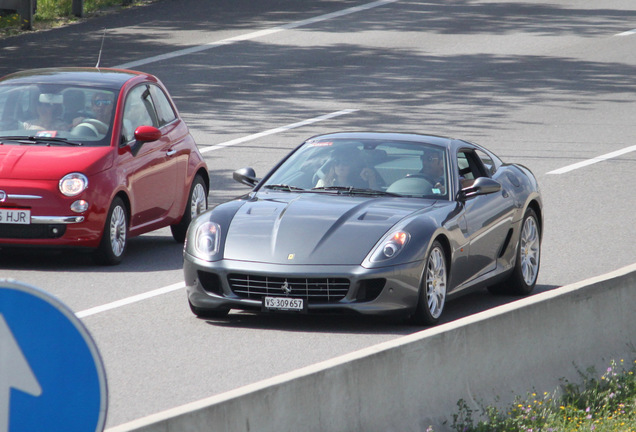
pixel 197 204
pixel 432 296
pixel 523 278
pixel 115 236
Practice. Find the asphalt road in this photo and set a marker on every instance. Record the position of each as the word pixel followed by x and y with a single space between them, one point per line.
pixel 546 84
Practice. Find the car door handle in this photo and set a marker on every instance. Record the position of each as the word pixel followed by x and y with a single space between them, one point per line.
pixel 171 152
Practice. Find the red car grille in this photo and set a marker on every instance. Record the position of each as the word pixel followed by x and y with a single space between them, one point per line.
pixel 314 290
pixel 35 231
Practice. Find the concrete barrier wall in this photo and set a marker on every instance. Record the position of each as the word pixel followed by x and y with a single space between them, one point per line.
pixel 415 381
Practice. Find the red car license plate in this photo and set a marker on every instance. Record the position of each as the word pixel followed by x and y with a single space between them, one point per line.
pixel 15 216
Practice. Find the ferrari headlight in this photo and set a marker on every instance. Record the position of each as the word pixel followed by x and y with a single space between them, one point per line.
pixel 390 246
pixel 207 238
pixel 73 184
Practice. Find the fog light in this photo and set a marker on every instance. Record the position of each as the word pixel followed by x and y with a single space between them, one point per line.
pixel 79 206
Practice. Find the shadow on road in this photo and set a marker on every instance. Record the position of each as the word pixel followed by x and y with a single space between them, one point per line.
pixel 150 252
pixel 469 304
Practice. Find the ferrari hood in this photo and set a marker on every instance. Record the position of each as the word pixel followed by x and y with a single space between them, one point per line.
pixel 24 162
pixel 313 228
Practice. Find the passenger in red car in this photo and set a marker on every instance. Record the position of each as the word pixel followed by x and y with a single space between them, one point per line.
pixel 49 109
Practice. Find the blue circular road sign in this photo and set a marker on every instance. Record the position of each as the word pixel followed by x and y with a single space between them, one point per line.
pixel 51 375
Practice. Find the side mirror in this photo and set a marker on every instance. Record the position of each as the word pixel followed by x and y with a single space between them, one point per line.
pixel 147 133
pixel 246 176
pixel 481 186
pixel 144 134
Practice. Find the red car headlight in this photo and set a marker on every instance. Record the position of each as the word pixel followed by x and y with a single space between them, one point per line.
pixel 73 184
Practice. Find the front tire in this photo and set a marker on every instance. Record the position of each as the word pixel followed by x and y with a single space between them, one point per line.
pixel 523 278
pixel 115 237
pixel 197 204
pixel 432 297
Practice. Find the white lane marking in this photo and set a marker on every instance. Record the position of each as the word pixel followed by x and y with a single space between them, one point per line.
pixel 627 33
pixel 593 160
pixel 129 300
pixel 256 34
pixel 277 130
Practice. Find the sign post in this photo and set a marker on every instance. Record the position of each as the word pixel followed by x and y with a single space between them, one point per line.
pixel 78 8
pixel 51 375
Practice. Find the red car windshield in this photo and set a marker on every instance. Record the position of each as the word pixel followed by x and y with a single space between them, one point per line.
pixel 77 113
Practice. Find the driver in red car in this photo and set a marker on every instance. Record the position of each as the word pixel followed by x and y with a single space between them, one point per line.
pixel 102 107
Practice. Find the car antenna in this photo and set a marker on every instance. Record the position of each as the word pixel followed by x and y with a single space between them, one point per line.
pixel 99 57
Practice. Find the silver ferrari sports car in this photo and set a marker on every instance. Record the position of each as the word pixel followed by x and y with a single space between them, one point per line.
pixel 372 223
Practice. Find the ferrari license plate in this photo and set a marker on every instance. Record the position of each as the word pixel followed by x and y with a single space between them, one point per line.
pixel 15 216
pixel 283 304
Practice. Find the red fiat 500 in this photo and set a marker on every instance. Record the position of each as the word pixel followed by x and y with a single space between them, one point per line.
pixel 90 157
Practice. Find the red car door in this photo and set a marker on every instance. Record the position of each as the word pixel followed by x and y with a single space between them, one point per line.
pixel 150 167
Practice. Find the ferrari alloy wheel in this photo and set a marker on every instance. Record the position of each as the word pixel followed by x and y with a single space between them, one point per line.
pixel 197 204
pixel 524 275
pixel 529 250
pixel 114 239
pixel 433 290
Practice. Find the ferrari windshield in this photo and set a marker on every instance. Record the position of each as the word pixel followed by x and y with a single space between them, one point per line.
pixel 68 113
pixel 364 166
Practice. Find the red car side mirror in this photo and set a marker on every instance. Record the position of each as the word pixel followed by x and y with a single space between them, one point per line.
pixel 147 133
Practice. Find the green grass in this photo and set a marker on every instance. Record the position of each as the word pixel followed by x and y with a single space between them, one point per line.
pixel 54 9
pixel 9 24
pixel 601 403
pixel 55 13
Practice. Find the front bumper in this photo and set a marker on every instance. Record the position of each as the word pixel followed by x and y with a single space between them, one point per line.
pixel 383 291
pixel 40 228
pixel 52 222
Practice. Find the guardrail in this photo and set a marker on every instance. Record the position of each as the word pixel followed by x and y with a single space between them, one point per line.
pixel 415 381
pixel 26 9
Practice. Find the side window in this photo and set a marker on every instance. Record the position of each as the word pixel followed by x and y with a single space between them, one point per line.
pixel 487 161
pixel 464 166
pixel 165 113
pixel 470 167
pixel 138 111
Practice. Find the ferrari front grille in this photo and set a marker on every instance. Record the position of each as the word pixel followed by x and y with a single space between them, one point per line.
pixel 314 290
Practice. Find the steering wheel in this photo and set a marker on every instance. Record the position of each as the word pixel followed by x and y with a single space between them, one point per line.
pixel 416 185
pixel 90 127
pixel 419 175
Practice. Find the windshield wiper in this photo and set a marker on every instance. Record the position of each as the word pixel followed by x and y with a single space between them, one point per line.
pixel 40 139
pixel 355 191
pixel 284 187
